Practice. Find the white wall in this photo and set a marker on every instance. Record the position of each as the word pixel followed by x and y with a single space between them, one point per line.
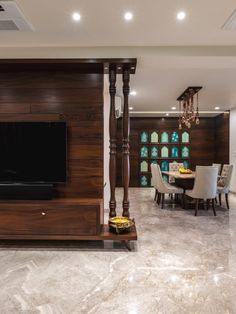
pixel 233 147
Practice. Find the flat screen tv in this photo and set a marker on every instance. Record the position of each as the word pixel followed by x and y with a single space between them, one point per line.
pixel 32 152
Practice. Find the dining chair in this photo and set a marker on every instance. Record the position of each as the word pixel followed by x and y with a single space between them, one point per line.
pixel 174 166
pixel 223 184
pixel 164 187
pixel 218 166
pixel 205 186
pixel 154 180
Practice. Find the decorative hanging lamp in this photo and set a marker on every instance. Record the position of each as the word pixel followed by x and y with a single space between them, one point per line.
pixel 189 107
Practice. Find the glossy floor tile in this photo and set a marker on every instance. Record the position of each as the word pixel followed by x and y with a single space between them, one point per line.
pixel 180 264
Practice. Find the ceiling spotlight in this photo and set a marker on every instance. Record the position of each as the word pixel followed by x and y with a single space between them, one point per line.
pixel 76 16
pixel 217 108
pixel 133 93
pixel 131 108
pixel 167 114
pixel 173 108
pixel 128 16
pixel 181 15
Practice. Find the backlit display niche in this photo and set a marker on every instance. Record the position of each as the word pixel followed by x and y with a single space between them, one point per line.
pixel 162 147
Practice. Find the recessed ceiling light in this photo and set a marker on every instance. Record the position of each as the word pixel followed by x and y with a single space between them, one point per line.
pixel 217 108
pixel 131 108
pixel 133 93
pixel 181 15
pixel 76 16
pixel 173 108
pixel 128 16
pixel 167 114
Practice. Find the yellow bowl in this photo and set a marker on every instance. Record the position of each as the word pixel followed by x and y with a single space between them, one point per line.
pixel 120 224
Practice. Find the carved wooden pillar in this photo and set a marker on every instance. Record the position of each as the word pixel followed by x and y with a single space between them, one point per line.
pixel 125 145
pixel 112 132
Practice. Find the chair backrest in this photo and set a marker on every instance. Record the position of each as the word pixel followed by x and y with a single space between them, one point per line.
pixel 161 185
pixel 154 176
pixel 174 166
pixel 226 175
pixel 205 184
pixel 218 166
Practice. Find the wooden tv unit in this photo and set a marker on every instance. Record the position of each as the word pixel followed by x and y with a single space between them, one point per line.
pixel 59 219
pixel 70 90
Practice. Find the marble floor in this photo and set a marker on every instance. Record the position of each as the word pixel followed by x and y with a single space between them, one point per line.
pixel 180 264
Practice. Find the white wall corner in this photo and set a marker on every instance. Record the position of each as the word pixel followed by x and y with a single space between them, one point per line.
pixel 233 148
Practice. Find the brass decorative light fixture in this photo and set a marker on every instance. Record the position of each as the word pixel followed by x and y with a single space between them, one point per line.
pixel 188 107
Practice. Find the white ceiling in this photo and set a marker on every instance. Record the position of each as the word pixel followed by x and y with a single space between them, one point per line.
pixel 171 55
pixel 102 23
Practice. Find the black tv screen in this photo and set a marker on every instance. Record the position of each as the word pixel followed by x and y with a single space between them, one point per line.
pixel 32 152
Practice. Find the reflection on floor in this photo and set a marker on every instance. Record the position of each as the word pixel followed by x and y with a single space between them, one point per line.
pixel 180 264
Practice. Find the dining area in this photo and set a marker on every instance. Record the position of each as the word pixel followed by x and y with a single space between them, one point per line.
pixel 201 189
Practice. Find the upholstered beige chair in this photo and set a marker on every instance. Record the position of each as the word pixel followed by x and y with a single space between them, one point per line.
pixel 205 186
pixel 154 180
pixel 224 183
pixel 218 166
pixel 174 166
pixel 164 187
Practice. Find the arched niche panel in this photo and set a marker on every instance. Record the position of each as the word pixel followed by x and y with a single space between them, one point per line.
pixel 144 152
pixel 165 165
pixel 164 152
pixel 164 137
pixel 186 164
pixel 144 137
pixel 154 137
pixel 154 152
pixel 185 137
pixel 185 152
pixel 175 137
pixel 144 166
pixel 143 180
pixel 175 152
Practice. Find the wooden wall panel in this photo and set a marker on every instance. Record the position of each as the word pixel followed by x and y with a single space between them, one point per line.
pixel 50 95
pixel 49 80
pixel 222 138
pixel 204 145
pixel 63 96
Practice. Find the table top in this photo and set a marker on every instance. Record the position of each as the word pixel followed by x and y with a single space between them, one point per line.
pixel 177 175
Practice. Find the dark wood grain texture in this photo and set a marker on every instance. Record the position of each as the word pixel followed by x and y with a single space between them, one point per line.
pixel 222 138
pixel 72 97
pixel 51 218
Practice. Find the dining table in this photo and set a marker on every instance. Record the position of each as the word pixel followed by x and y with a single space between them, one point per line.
pixel 183 180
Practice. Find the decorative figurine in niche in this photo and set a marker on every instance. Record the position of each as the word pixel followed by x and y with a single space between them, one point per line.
pixel 144 137
pixel 175 152
pixel 144 181
pixel 154 137
pixel 175 137
pixel 144 152
pixel 154 152
pixel 185 152
pixel 165 166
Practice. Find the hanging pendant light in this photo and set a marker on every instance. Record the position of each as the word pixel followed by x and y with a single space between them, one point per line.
pixel 188 107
